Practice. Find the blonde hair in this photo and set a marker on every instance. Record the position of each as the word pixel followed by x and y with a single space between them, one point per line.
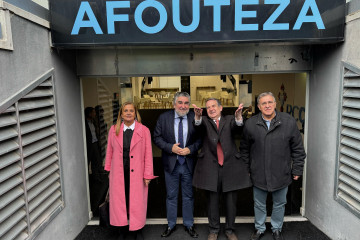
pixel 119 119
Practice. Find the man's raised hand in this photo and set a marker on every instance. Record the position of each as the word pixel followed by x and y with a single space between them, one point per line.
pixel 198 112
pixel 238 112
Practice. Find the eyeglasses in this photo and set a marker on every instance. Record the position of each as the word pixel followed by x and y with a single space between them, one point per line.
pixel 181 102
pixel 267 103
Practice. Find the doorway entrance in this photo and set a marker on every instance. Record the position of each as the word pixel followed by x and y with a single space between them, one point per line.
pixel 154 95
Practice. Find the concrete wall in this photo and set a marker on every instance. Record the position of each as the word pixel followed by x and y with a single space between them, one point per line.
pixel 321 208
pixel 32 56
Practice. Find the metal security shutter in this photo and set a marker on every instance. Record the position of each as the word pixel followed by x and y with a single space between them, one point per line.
pixel 348 171
pixel 30 184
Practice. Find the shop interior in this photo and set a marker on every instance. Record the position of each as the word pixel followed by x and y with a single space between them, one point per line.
pixel 154 94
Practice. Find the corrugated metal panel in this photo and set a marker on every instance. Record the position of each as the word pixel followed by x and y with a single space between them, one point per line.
pixel 348 182
pixel 30 184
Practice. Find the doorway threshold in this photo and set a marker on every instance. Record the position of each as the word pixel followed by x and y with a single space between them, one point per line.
pixel 204 220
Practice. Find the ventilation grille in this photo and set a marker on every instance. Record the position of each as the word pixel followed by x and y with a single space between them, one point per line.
pixel 348 187
pixel 30 186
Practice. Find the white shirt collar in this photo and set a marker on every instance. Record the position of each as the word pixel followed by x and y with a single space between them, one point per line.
pixel 132 126
pixel 217 119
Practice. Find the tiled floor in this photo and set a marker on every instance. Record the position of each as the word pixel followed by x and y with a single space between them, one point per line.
pixel 291 231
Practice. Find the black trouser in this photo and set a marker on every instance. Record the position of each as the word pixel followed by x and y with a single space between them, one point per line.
pixel 127 188
pixel 94 158
pixel 213 207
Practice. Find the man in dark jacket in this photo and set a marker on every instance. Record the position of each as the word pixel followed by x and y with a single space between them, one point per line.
pixel 273 147
pixel 176 136
pixel 92 143
pixel 219 169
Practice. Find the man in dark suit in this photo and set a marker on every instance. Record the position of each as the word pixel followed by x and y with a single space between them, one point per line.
pixel 176 136
pixel 92 143
pixel 219 169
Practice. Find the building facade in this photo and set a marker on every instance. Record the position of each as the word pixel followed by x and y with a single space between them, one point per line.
pixel 44 182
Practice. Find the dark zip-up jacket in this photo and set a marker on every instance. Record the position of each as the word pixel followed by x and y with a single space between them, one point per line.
pixel 275 154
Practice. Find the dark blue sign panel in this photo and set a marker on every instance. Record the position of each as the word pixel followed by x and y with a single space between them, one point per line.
pixel 162 22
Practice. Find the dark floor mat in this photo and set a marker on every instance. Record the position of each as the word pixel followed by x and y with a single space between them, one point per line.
pixel 291 231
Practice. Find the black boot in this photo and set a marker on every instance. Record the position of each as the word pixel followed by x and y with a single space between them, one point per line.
pixel 121 236
pixel 139 235
pixel 122 231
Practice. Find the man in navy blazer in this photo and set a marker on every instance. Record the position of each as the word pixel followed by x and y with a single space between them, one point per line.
pixel 176 136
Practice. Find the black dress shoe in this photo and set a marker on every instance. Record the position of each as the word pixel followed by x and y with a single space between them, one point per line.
pixel 191 232
pixel 168 231
pixel 256 235
pixel 277 235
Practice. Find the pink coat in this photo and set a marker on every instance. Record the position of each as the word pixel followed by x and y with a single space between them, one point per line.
pixel 141 167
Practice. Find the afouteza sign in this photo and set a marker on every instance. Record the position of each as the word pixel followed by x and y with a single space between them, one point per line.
pixel 161 22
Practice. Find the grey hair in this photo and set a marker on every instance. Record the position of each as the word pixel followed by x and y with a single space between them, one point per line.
pixel 181 94
pixel 265 94
pixel 215 99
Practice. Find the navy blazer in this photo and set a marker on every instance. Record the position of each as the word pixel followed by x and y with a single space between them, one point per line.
pixel 164 138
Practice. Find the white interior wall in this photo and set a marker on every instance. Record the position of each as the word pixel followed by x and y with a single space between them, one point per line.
pixel 91 92
pixel 170 82
pixel 136 86
pixel 203 82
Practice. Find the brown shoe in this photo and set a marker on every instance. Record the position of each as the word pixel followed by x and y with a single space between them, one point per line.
pixel 212 236
pixel 231 236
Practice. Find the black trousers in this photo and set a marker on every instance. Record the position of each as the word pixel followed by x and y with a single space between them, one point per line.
pixel 94 158
pixel 214 210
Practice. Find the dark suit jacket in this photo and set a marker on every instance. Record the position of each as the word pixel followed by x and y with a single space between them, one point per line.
pixel 164 138
pixel 88 134
pixel 235 171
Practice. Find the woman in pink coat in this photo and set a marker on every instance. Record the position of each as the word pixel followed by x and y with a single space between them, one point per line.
pixel 130 162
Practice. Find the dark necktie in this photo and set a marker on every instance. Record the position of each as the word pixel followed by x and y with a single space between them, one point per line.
pixel 181 159
pixel 219 150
